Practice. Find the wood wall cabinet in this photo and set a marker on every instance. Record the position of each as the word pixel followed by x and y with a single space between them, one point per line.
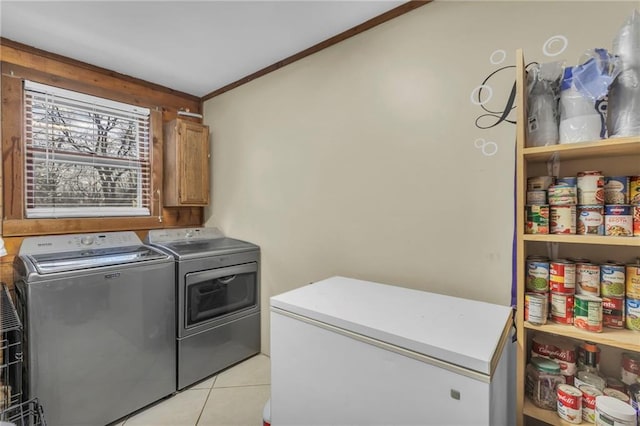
pixel 614 157
pixel 186 163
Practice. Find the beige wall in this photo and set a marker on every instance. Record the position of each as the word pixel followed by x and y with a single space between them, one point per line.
pixel 364 160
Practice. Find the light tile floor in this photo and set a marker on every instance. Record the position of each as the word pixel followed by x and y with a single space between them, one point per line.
pixel 235 397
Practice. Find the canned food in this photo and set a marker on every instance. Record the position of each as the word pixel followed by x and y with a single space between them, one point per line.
pixel 612 280
pixel 588 279
pixel 590 188
pixel 590 220
pixel 618 220
pixel 562 276
pixel 570 403
pixel 636 221
pixel 562 220
pixel 614 393
pixel 537 219
pixel 539 183
pixel 632 277
pixel 535 308
pixel 562 194
pixel 634 190
pixel 562 308
pixel 616 189
pixel 613 312
pixel 611 411
pixel 616 384
pixel 537 197
pixel 537 275
pixel 589 394
pixel 633 314
pixel 629 367
pixel 569 180
pixel 562 351
pixel 587 313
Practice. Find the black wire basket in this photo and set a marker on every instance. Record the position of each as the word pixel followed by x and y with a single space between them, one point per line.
pixel 28 413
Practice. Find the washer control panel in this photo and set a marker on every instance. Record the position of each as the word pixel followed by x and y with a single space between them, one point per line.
pixel 74 242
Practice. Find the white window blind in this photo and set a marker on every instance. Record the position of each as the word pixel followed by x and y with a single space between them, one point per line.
pixel 85 156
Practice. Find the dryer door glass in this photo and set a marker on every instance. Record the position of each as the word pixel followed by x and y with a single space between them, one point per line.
pixel 219 292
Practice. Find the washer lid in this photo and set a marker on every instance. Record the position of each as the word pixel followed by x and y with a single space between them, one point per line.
pixel 50 263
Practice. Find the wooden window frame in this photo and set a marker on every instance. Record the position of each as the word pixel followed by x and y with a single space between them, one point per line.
pixel 14 222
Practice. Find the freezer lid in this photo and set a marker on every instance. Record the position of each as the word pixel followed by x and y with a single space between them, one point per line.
pixel 466 333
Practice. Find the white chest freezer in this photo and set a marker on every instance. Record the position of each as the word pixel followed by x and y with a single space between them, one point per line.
pixel 352 352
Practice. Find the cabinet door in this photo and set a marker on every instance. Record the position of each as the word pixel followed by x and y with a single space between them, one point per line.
pixel 193 148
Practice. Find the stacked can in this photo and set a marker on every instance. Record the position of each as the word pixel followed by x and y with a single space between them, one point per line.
pixel 590 218
pixel 536 298
pixel 618 213
pixel 537 208
pixel 612 290
pixel 632 291
pixel 562 197
pixel 634 201
pixel 562 283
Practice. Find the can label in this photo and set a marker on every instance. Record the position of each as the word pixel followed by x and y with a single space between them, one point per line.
pixel 562 308
pixel 590 188
pixel 562 195
pixel 634 190
pixel 537 183
pixel 562 277
pixel 562 219
pixel 618 220
pixel 587 313
pixel 616 189
pixel 537 276
pixel 537 219
pixel 570 403
pixel 636 221
pixel 569 180
pixel 590 220
pixel 587 279
pixel 630 368
pixel 589 394
pixel 537 197
pixel 612 280
pixel 633 314
pixel 633 281
pixel 613 312
pixel 560 350
pixel 535 308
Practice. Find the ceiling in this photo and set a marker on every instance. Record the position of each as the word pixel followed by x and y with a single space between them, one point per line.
pixel 195 47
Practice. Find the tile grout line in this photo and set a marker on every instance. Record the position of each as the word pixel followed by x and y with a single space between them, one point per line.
pixel 206 400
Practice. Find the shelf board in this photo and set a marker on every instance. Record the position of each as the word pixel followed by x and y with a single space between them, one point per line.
pixel 624 339
pixel 546 416
pixel 583 239
pixel 595 149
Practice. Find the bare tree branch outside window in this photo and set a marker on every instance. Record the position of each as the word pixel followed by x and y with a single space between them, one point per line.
pixel 85 157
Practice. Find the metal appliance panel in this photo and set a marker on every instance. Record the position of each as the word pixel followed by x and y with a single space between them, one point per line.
pixel 203 354
pixel 192 279
pixel 209 346
pixel 101 344
pixel 191 243
pixel 51 263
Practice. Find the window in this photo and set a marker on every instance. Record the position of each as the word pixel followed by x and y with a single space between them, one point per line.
pixel 85 156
